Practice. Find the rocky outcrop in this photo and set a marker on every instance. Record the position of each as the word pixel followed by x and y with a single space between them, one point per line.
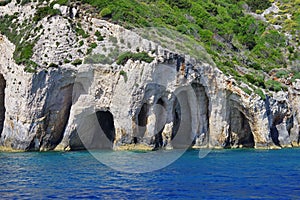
pixel 136 106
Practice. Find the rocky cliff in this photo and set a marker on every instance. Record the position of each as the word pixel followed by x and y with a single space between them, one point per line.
pixel 84 95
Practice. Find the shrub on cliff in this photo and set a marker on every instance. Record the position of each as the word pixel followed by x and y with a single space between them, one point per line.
pixel 142 56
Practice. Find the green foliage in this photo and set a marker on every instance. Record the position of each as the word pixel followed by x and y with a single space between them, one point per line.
pixel 296 76
pixel 273 85
pixel 30 66
pixel 81 42
pixel 180 3
pixel 66 60
pixel 23 2
pixel 4 2
pixel 61 2
pixel 80 31
pixel 124 74
pixel 23 52
pixel 77 62
pixel 246 90
pixel 93 45
pixel 255 79
pixel 260 93
pixel 282 74
pixel 99 36
pixel 43 12
pixel 106 12
pixel 97 59
pixel 231 36
pixel 258 4
pixel 142 56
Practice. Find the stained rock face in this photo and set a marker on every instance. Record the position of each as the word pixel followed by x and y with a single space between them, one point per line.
pixel 136 106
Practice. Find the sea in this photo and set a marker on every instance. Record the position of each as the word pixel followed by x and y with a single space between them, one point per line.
pixel 220 174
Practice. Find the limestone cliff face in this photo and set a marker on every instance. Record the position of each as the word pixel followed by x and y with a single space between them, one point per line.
pixel 138 105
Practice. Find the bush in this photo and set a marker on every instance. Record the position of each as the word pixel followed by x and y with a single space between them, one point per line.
pixel 60 2
pixel 124 74
pixel 43 12
pixel 106 12
pixel 282 74
pixel 5 2
pixel 81 42
pixel 255 80
pixel 52 65
pixel 258 5
pixel 81 32
pixel 296 76
pixel 273 85
pixel 77 62
pixel 260 93
pixel 99 36
pixel 142 56
pixel 93 45
pixel 247 91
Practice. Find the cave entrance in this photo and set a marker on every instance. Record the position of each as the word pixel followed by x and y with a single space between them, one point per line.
pixel 161 120
pixel 240 130
pixel 203 113
pixel 107 127
pixel 142 123
pixel 182 131
pixel 274 131
pixel 2 102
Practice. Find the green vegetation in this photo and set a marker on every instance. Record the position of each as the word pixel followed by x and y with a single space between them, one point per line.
pixel 260 93
pixel 274 85
pixel 43 12
pixel 142 56
pixel 99 36
pixel 61 2
pixel 105 12
pixel 77 62
pixel 79 31
pixel 230 36
pixel 124 74
pixel 93 45
pixel 218 31
pixel 97 59
pixel 4 2
pixel 81 42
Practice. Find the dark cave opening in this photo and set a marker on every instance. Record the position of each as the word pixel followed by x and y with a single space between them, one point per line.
pixel 203 112
pixel 182 131
pixel 2 102
pixel 106 122
pixel 240 130
pixel 142 122
pixel 274 131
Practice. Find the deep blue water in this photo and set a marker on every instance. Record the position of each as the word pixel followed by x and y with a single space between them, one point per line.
pixel 222 174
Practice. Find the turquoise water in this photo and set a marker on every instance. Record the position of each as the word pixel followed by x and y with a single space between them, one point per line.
pixel 224 174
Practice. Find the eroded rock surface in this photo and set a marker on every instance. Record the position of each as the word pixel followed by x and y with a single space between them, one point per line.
pixel 136 106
